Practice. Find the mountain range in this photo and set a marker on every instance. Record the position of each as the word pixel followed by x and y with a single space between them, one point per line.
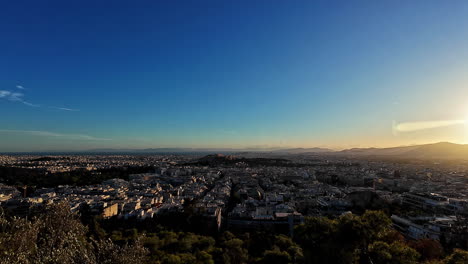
pixel 441 150
pixel 304 150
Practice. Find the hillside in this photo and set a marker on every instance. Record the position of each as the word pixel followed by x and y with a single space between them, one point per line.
pixel 303 150
pixel 442 150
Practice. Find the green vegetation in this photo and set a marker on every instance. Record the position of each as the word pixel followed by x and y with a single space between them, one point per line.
pixel 363 239
pixel 41 178
pixel 184 247
pixel 349 239
pixel 59 236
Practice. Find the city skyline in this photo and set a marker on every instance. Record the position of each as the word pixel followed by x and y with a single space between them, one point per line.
pixel 78 76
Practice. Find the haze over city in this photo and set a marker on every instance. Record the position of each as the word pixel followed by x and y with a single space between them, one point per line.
pixel 243 74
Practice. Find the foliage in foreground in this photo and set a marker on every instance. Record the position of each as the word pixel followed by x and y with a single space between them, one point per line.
pixel 366 239
pixel 58 236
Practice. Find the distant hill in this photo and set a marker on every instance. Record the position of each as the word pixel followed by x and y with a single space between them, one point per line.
pixel 212 150
pixel 162 150
pixel 303 150
pixel 442 150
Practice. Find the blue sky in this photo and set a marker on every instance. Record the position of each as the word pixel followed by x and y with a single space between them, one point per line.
pixel 137 74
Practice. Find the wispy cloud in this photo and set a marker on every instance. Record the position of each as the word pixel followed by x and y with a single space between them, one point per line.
pixel 64 108
pixel 19 97
pixel 29 104
pixel 423 125
pixel 53 134
pixel 4 94
pixel 15 97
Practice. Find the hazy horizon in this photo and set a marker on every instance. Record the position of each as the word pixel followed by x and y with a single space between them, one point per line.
pixel 220 149
pixel 215 74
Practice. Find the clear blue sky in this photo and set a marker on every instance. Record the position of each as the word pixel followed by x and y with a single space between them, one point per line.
pixel 136 74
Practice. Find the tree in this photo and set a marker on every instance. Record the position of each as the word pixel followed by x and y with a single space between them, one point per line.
pixel 234 251
pixel 109 253
pixel 395 253
pixel 428 248
pixel 315 238
pixel 58 236
pixel 17 240
pixel 347 238
pixel 457 257
pixel 376 225
pixel 276 257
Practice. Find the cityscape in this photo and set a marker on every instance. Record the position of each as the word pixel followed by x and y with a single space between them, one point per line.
pixel 234 132
pixel 245 192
